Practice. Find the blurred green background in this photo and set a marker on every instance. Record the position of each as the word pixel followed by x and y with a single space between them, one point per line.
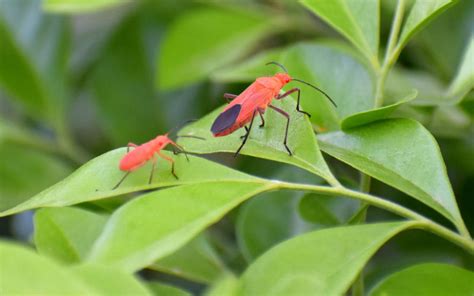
pixel 79 80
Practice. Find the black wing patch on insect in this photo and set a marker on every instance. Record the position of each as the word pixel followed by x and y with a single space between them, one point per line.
pixel 226 119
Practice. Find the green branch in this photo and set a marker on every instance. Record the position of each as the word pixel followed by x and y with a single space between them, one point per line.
pixel 391 53
pixel 365 180
pixel 423 222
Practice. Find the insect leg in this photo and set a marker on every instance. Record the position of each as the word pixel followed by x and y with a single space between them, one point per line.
pixel 121 180
pixel 246 131
pixel 297 101
pixel 170 160
pixel 246 135
pixel 180 149
pixel 130 144
pixel 152 169
pixel 228 97
pixel 260 112
pixel 287 125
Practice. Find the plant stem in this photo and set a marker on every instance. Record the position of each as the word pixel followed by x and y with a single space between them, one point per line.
pixel 365 180
pixel 463 229
pixel 391 53
pixel 424 223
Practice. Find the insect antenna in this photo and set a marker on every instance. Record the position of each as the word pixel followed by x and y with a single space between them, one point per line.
pixel 180 148
pixel 179 126
pixel 277 64
pixel 190 136
pixel 316 88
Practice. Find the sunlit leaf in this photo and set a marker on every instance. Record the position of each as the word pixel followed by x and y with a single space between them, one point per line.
pixel 95 180
pixel 66 234
pixel 373 115
pixel 323 262
pixel 401 153
pixel 427 279
pixel 358 21
pixel 79 6
pixel 160 289
pixel 26 273
pixel 109 281
pixel 216 36
pixel 196 261
pixel 420 14
pixel 226 285
pixel 44 276
pixel 266 142
pixel 157 224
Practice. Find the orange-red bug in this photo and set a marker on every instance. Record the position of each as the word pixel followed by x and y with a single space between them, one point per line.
pixel 143 153
pixel 255 99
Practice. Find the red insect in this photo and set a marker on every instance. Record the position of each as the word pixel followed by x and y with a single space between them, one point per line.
pixel 143 153
pixel 255 99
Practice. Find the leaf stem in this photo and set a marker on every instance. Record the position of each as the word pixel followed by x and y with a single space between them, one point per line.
pixel 424 223
pixel 463 229
pixel 365 180
pixel 391 53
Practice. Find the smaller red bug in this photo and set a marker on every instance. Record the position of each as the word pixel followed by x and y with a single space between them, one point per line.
pixel 143 153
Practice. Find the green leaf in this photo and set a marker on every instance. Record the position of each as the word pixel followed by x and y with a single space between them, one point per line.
pixel 427 279
pixel 267 220
pixel 79 6
pixel 420 14
pixel 46 277
pixel 358 21
pixel 265 142
pixel 66 234
pixel 157 224
pixel 323 262
pixel 43 275
pixel 131 98
pixel 464 80
pixel 160 289
pixel 440 46
pixel 431 90
pixel 25 172
pixel 328 66
pixel 373 115
pixel 327 211
pixel 227 285
pixel 201 41
pixel 109 281
pixel 450 122
pixel 249 70
pixel 196 261
pixel 95 180
pixel 401 153
pixel 33 59
pixel 12 132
